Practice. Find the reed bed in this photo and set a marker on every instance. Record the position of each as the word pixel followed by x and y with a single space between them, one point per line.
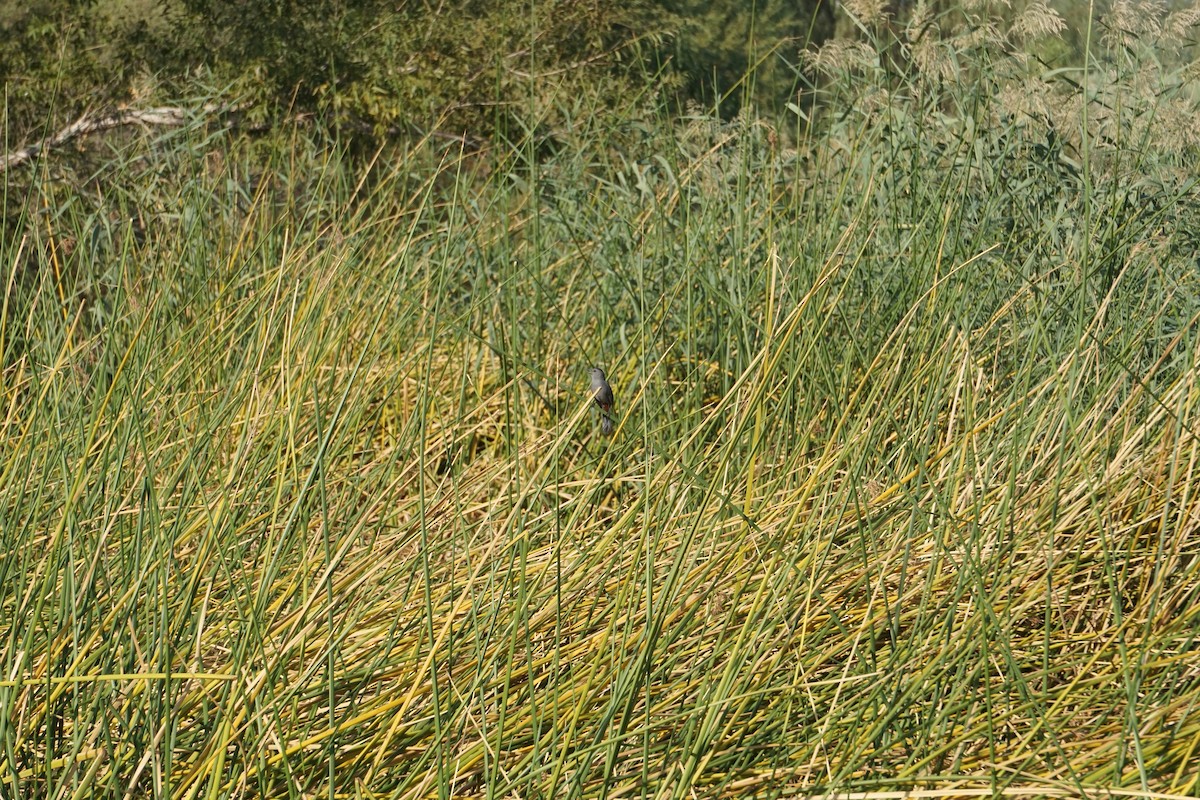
pixel 301 493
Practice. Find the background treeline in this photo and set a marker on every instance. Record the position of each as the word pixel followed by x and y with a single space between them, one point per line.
pixel 380 66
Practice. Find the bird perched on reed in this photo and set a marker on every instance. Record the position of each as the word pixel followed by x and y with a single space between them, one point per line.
pixel 603 395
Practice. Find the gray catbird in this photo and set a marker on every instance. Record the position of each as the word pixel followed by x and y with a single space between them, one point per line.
pixel 602 392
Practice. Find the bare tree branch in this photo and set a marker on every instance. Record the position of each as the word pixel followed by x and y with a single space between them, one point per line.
pixel 88 124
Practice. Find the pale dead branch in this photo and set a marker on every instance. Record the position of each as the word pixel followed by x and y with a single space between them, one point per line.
pixel 89 124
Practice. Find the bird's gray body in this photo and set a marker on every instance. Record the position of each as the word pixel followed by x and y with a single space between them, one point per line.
pixel 603 395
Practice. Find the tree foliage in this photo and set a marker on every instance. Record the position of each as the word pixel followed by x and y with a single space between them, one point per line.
pixel 718 43
pixel 468 67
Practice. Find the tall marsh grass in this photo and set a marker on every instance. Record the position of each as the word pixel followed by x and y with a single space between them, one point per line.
pixel 301 494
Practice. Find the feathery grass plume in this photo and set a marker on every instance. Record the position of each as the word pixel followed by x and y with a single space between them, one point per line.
pixel 1129 21
pixel 921 22
pixel 1178 25
pixel 934 58
pixel 867 12
pixel 874 100
pixel 1138 87
pixel 839 57
pixel 1019 103
pixel 1037 20
pixel 982 34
